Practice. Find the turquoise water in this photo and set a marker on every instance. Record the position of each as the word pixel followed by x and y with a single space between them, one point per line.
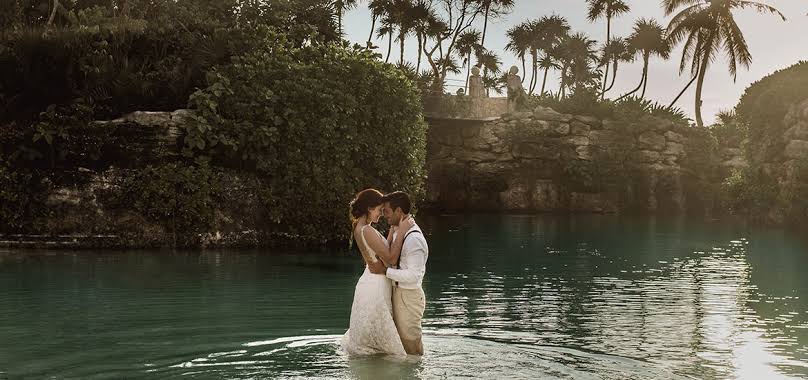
pixel 597 297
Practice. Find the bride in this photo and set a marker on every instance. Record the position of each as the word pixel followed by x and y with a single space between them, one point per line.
pixel 372 330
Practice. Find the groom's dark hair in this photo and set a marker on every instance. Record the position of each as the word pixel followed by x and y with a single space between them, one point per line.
pixel 399 199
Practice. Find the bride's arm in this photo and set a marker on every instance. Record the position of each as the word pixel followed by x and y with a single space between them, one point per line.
pixel 390 234
pixel 389 254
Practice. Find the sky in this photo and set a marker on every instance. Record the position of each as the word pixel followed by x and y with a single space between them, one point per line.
pixel 774 44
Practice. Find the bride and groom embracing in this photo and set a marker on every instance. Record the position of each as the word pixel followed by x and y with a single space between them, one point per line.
pixel 388 302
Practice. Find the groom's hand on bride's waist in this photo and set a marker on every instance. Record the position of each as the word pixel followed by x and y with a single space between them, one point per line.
pixel 377 267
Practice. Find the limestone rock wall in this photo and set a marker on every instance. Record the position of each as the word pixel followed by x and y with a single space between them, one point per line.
pixel 547 161
pixel 789 167
pixel 464 107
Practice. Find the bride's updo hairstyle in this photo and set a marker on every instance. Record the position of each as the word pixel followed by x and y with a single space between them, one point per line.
pixel 364 200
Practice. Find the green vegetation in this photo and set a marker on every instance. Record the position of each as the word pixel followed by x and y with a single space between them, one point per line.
pixel 760 118
pixel 449 40
pixel 179 197
pixel 284 102
pixel 284 111
pixel 764 105
pixel 628 109
pixel 310 121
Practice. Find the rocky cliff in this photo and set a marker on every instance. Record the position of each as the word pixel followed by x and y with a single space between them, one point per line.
pixel 547 161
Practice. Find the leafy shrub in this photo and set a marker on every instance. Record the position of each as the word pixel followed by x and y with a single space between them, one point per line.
pixel 581 102
pixel 729 131
pixel 180 197
pixel 587 102
pixel 95 65
pixel 751 191
pixel 318 122
pixel 764 105
pixel 795 193
pixel 22 196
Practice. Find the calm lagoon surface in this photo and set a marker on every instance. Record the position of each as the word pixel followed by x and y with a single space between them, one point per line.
pixel 508 296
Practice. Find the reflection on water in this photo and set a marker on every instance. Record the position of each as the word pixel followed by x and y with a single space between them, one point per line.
pixel 523 296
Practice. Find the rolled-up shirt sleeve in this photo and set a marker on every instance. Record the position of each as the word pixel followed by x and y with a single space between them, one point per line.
pixel 413 264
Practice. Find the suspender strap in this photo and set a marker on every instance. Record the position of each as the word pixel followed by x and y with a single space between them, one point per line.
pixel 398 266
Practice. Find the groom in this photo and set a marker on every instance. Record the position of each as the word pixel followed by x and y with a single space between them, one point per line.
pixel 408 296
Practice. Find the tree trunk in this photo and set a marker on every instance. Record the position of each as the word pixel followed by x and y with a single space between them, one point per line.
pixel 468 74
pixel 524 73
pixel 401 57
pixel 418 64
pixel 644 85
pixel 372 29
pixel 562 91
pixel 699 88
pixel 642 79
pixel 339 19
pixel 53 13
pixel 482 39
pixel 608 61
pixel 614 76
pixel 485 25
pixel 544 81
pixel 389 46
pixel 683 90
pixel 535 71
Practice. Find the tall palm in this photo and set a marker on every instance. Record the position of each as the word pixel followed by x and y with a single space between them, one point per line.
pixel 616 51
pixel 377 10
pixel 648 39
pixel 421 16
pixel 547 62
pixel 386 29
pixel 496 82
pixel 519 44
pixel 707 27
pixel 490 63
pixel 546 33
pixel 468 43
pixel 401 15
pixel 498 7
pixel 607 9
pixel 341 6
pixel 575 53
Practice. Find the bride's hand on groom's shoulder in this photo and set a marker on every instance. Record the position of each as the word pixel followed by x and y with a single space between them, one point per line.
pixel 406 224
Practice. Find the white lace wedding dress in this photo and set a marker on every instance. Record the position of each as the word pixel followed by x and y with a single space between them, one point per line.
pixel 372 330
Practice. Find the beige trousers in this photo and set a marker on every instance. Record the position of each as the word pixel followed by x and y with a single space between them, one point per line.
pixel 408 311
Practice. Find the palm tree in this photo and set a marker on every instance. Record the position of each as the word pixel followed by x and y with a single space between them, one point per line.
pixel 498 7
pixel 547 62
pixel 519 44
pixel 707 27
pixel 341 6
pixel 616 51
pixel 647 39
pixel 575 53
pixel 490 63
pixel 401 12
pixel 467 44
pixel 421 16
pixel 496 82
pixel 607 9
pixel 377 9
pixel 546 34
pixel 387 29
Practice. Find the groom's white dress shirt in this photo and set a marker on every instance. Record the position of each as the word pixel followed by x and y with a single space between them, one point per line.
pixel 412 262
